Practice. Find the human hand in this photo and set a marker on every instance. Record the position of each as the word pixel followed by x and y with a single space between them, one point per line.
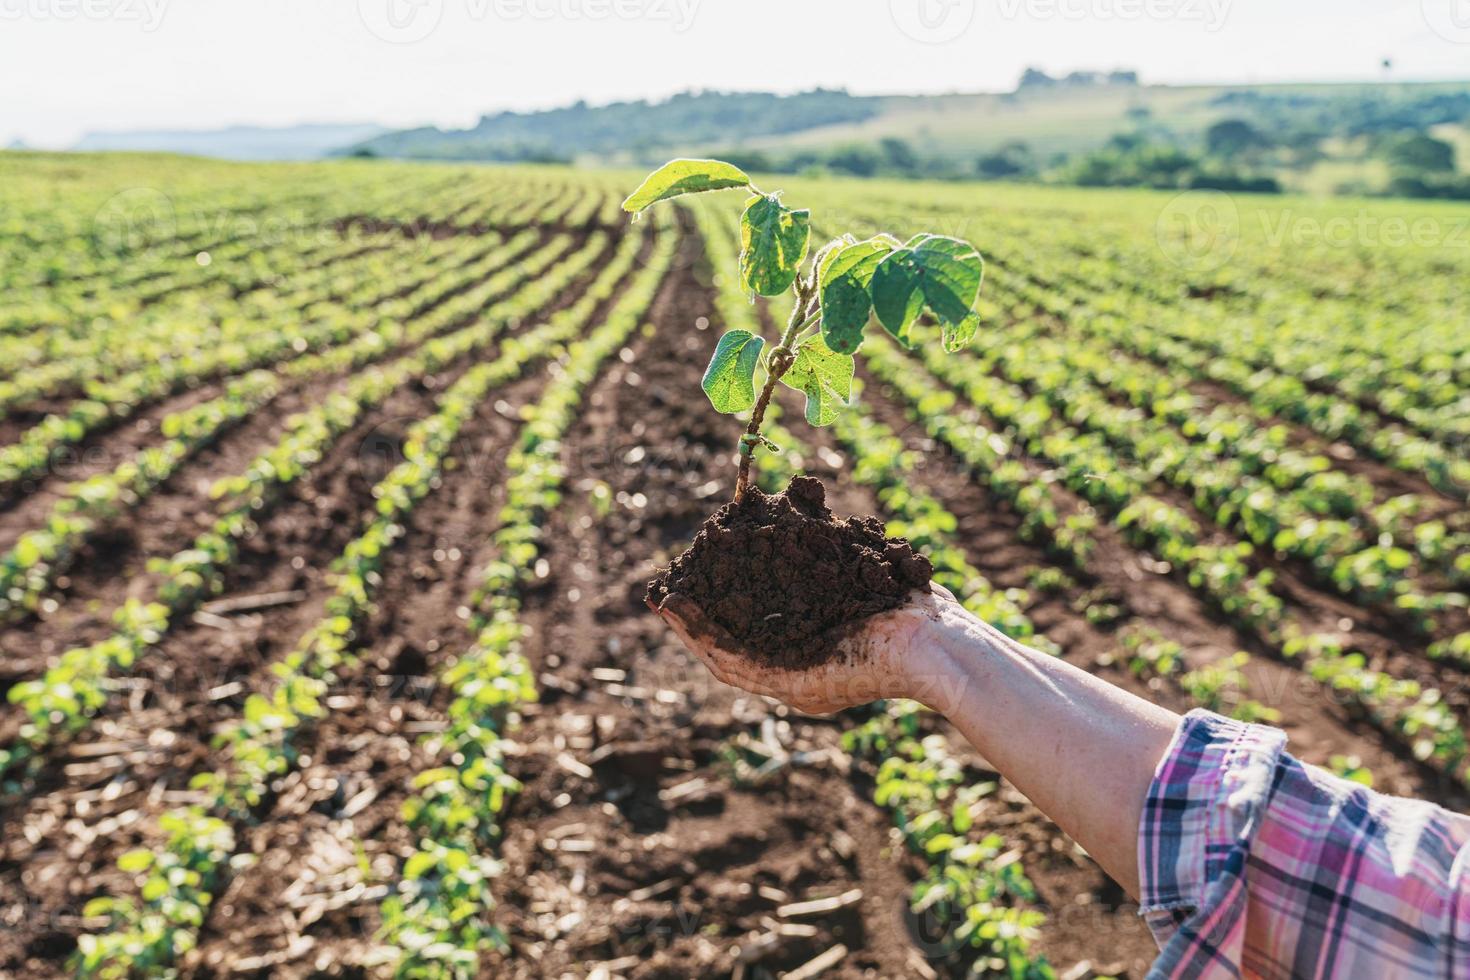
pixel 879 659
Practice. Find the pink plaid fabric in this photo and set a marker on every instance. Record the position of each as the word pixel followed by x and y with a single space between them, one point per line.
pixel 1254 864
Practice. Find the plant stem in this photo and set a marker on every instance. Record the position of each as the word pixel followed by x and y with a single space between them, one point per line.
pixel 782 357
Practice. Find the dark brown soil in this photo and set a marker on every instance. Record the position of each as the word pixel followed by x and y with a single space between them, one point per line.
pixel 136 758
pixel 786 579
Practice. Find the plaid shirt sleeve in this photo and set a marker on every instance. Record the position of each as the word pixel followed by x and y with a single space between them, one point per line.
pixel 1256 865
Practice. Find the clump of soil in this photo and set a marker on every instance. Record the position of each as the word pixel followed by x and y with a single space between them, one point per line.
pixel 784 578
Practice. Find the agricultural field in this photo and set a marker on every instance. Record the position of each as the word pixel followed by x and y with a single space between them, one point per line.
pixel 329 492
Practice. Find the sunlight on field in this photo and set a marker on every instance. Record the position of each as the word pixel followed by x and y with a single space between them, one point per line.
pixel 328 493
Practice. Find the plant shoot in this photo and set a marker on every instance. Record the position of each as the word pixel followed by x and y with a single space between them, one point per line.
pixel 847 284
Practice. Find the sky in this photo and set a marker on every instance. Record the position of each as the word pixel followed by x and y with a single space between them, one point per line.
pixel 70 66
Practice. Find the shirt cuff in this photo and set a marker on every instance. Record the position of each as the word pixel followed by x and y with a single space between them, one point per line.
pixel 1203 809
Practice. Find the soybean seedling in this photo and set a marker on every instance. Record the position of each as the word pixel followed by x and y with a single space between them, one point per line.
pixel 848 283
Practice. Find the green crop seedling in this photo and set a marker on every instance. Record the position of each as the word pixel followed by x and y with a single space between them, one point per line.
pixel 848 283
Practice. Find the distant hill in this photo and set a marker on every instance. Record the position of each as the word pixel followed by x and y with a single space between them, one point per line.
pixel 1086 127
pixel 306 142
pixel 1072 114
pixel 629 130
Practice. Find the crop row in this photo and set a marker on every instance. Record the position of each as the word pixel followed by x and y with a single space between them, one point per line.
pixel 132 234
pixel 1265 447
pixel 437 922
pixel 92 245
pixel 28 568
pixel 396 297
pixel 1352 305
pixel 1369 360
pixel 1360 397
pixel 1218 687
pixel 1285 340
pixel 1069 536
pixel 264 333
pixel 381 300
pixel 974 893
pixel 73 689
pixel 1269 391
pixel 967 885
pixel 150 258
pixel 881 462
pixel 1220 573
pixel 1161 386
pixel 1242 478
pixel 250 239
pixel 971 889
pixel 197 343
pixel 232 273
pixel 250 284
pixel 259 747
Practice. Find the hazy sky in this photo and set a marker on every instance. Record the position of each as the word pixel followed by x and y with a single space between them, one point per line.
pixel 67 66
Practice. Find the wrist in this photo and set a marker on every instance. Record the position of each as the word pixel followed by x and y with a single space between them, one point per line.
pixel 946 645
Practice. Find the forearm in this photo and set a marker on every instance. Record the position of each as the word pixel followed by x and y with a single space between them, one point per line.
pixel 1081 749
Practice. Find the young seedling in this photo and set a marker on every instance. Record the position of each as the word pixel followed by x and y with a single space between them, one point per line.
pixel 847 284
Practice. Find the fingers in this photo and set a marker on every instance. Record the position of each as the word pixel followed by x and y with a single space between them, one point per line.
pixel 859 673
pixel 710 643
pixel 716 650
pixel 705 632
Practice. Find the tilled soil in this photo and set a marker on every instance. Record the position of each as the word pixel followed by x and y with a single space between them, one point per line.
pixel 309 896
pixel 1089 918
pixel 95 795
pixel 112 563
pixel 117 440
pixel 668 823
pixel 632 848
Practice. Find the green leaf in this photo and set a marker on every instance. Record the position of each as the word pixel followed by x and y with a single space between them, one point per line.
pixel 824 376
pixel 135 861
pixel 729 381
pixel 898 297
pixel 99 906
pixel 418 865
pixel 951 272
pixel 27 551
pixel 684 177
pixel 773 242
pixel 844 279
pixel 962 820
pixel 958 336
pixel 941 273
pixel 828 252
